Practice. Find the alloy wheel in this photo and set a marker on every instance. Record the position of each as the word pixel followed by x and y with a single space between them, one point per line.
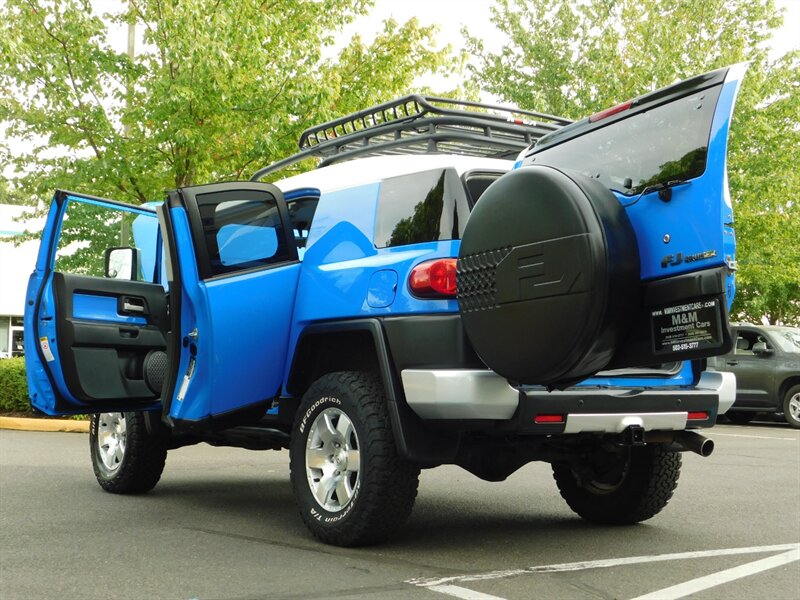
pixel 794 406
pixel 333 459
pixel 111 439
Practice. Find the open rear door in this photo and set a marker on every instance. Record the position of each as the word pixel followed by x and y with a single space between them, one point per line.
pixel 232 271
pixel 95 321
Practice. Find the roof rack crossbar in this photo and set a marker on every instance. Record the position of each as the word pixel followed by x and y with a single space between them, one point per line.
pixel 424 143
pixel 508 109
pixel 416 124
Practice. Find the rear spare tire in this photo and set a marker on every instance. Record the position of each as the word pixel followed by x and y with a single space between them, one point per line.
pixel 548 276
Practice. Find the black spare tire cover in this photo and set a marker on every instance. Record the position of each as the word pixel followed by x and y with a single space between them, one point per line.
pixel 548 276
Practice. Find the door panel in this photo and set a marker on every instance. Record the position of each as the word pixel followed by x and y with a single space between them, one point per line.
pixel 754 372
pixel 101 343
pixel 91 307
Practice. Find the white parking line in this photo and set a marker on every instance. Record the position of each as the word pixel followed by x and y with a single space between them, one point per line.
pixel 464 593
pixel 755 437
pixel 791 552
pixel 703 583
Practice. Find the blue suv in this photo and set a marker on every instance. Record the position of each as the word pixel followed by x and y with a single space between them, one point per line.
pixel 452 284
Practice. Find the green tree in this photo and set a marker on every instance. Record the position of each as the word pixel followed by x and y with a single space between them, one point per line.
pixel 8 195
pixel 217 89
pixel 573 59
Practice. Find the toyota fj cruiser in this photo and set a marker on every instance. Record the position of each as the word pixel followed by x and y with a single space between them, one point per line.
pixel 453 284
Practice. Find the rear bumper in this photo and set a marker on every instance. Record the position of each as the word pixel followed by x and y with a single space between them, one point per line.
pixel 464 395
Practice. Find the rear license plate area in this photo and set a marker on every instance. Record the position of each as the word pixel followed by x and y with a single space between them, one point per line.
pixel 692 326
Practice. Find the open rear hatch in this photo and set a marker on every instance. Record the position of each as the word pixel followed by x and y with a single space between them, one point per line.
pixel 611 245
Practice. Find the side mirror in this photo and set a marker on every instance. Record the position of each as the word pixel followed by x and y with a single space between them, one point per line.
pixel 760 348
pixel 122 263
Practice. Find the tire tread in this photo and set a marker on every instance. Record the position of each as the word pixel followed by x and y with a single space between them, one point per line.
pixel 143 464
pixel 645 492
pixel 386 501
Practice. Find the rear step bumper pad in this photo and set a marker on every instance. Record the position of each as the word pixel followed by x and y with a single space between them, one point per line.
pixel 481 394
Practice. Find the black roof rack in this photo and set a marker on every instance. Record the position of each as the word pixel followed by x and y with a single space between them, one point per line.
pixel 422 125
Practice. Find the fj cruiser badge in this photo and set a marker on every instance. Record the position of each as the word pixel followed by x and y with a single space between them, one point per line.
pixel 673 260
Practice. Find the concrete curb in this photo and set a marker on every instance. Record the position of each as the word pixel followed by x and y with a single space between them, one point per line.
pixel 23 424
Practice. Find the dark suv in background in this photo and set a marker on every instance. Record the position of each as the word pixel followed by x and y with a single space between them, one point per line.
pixel 766 361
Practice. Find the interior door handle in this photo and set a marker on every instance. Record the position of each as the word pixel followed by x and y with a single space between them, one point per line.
pixel 733 362
pixel 128 307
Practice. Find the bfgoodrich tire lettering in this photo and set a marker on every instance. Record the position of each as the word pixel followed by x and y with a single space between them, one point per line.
pixel 126 457
pixel 637 490
pixel 350 485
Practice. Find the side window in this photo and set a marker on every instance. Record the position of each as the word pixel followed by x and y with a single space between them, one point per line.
pixel 422 207
pixel 242 229
pixel 476 183
pixel 746 340
pixel 90 227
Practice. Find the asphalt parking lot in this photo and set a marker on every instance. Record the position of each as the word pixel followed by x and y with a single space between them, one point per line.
pixel 222 524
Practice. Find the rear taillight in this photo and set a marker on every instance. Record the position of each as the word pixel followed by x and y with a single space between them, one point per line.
pixel 697 416
pixel 434 279
pixel 609 111
pixel 540 419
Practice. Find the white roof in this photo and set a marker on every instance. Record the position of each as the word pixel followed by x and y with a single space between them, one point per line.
pixel 377 168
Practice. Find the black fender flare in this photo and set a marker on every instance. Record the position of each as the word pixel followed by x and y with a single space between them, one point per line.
pixel 415 441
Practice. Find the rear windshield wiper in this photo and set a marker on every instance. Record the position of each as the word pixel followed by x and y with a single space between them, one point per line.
pixel 664 189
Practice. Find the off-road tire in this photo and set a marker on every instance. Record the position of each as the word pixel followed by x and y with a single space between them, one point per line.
pixel 138 466
pixel 791 404
pixel 650 476
pixel 740 417
pixel 382 494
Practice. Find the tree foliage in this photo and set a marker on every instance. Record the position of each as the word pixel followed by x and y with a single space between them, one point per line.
pixel 218 87
pixel 9 195
pixel 574 58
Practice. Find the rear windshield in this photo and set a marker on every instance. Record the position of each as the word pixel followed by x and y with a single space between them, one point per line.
pixel 666 143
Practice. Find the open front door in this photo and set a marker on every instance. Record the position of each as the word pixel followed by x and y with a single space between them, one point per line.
pixel 96 310
pixel 232 270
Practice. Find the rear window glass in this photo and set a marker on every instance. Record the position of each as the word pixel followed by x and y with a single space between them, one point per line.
pixel 422 207
pixel 666 143
pixel 242 229
pixel 476 183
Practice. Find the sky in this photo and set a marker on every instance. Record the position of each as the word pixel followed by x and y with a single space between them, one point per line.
pixel 452 15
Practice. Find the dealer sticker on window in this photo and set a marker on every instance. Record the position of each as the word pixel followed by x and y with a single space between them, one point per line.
pixel 687 327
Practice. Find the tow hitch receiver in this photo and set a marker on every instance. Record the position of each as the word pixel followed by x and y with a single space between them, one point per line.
pixel 633 435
